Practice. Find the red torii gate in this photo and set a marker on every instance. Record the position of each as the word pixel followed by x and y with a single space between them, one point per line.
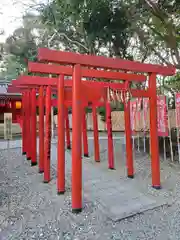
pixel 32 81
pixel 97 94
pixel 77 70
pixel 55 69
pixel 48 81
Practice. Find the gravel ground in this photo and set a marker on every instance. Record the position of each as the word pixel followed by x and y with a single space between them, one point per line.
pixel 30 209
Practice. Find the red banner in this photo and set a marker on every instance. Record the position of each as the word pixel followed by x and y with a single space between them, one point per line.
pixel 177 97
pixel 139 102
pixel 133 110
pixel 145 112
pixel 162 116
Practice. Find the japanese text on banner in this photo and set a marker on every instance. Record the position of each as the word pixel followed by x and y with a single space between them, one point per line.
pixel 162 116
pixel 138 114
pixel 145 112
pixel 178 110
pixel 133 110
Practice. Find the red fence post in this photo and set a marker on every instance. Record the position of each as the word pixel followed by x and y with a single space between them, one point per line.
pixel 41 129
pixel 84 131
pixel 47 136
pixel 128 132
pixel 155 163
pixel 68 140
pixel 96 134
pixel 110 138
pixel 24 123
pixel 61 138
pixel 76 141
pixel 28 120
pixel 33 128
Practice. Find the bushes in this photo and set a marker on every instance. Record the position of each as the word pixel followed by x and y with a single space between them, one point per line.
pixel 102 112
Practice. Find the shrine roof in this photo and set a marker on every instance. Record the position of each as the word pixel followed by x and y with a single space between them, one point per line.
pixel 4 92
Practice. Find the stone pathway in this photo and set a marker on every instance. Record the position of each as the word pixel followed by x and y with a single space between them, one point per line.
pixel 11 144
pixel 17 143
pixel 118 197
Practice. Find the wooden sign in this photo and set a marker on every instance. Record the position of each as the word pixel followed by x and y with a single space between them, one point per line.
pixel 7 126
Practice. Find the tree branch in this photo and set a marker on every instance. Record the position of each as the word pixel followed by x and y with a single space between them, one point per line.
pixel 67 38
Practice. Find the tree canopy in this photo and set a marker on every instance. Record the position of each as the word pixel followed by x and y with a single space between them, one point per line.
pixel 143 30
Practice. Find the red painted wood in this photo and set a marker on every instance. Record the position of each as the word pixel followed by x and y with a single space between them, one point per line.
pixel 47 157
pixel 140 93
pixel 26 122
pixel 110 137
pixel 13 89
pixel 33 128
pixel 90 73
pixel 61 138
pixel 76 141
pixel 155 162
pixel 45 54
pixel 128 132
pixel 30 82
pixel 96 135
pixel 84 133
pixel 68 103
pixel 41 102
pixel 28 118
pixel 23 117
pixel 68 140
pixel 37 80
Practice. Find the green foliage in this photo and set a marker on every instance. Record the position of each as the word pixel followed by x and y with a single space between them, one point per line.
pixel 88 110
pixel 18 49
pixel 11 68
pixel 55 111
pixel 92 24
pixel 22 44
pixel 173 83
pixel 117 106
pixel 157 25
pixel 102 112
pixel 147 31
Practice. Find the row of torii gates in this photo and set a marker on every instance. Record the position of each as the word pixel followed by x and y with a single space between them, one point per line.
pixel 72 77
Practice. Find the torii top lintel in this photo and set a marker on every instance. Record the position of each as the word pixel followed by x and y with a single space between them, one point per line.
pixel 37 81
pixel 45 54
pixel 35 67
